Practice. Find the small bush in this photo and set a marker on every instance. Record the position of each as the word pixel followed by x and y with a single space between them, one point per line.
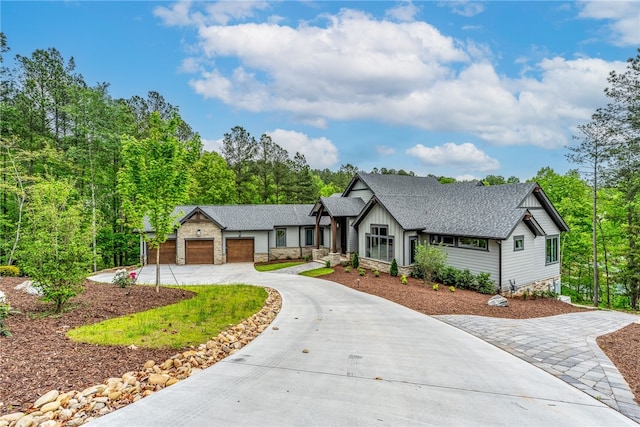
pixel 355 261
pixel 393 271
pixel 122 278
pixel 289 257
pixel 361 271
pixel 403 279
pixel 9 271
pixel 485 284
pixel 376 273
pixel 435 287
pixel 452 288
pixel 347 269
pixel 328 264
pixel 465 279
pixel 5 307
pixel 307 258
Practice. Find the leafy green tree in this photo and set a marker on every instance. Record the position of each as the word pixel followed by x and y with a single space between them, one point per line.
pixel 429 260
pixel 239 149
pixel 154 179
pixel 56 248
pixel 212 181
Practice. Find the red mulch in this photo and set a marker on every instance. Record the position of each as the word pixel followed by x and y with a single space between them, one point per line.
pixel 38 357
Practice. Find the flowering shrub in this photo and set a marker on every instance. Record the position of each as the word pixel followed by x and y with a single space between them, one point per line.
pixel 123 279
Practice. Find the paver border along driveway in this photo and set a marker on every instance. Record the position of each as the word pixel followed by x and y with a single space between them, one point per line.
pixel 336 356
pixel 563 345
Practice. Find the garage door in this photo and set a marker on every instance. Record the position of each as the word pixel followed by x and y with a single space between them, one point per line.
pixel 167 253
pixel 199 251
pixel 240 250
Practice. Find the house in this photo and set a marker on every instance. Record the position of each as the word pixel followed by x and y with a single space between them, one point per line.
pixel 510 231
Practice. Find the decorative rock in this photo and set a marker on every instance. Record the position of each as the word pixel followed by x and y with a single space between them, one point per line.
pixel 171 381
pixel 46 398
pixel 4 423
pixel 115 395
pixel 498 301
pixel 93 390
pixel 149 364
pixel 12 417
pixel 65 414
pixel 158 379
pixel 26 421
pixel 49 423
pixel 51 406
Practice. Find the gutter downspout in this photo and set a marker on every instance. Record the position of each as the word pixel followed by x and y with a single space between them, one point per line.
pixel 499 242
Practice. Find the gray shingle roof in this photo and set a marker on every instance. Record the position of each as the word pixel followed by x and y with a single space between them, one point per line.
pixel 460 209
pixel 251 217
pixel 343 206
pixel 396 184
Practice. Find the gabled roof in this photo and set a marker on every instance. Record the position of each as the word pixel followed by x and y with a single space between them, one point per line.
pixel 464 209
pixel 339 206
pixel 381 184
pixel 248 217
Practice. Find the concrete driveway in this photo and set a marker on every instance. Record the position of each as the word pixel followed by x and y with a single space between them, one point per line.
pixel 342 357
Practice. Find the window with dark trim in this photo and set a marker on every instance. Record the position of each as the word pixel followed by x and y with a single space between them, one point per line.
pixel 473 243
pixel 281 237
pixel 438 239
pixel 413 244
pixel 551 249
pixel 518 243
pixel 308 236
pixel 379 245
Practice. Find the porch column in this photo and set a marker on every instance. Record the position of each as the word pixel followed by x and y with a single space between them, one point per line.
pixel 317 240
pixel 334 229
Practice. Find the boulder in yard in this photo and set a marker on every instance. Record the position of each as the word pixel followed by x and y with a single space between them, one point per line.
pixel 498 301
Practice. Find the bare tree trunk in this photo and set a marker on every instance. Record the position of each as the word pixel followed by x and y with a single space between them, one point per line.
pixel 158 269
pixel 596 290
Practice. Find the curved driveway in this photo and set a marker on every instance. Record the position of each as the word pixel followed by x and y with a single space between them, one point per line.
pixel 342 357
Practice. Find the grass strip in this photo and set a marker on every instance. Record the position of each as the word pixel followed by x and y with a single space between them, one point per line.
pixel 188 322
pixel 277 266
pixel 317 272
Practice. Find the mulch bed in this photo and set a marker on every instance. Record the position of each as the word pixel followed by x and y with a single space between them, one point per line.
pixel 38 357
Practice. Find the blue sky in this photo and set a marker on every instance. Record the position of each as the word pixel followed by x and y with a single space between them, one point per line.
pixel 454 88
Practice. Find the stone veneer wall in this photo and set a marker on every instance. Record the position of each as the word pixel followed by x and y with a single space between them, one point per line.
pixel 544 285
pixel 383 266
pixel 284 253
pixel 316 254
pixel 208 230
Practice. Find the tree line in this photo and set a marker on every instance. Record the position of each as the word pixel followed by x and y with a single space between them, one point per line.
pixel 55 128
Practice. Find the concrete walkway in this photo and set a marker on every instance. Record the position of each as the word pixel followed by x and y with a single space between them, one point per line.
pixel 335 356
pixel 565 346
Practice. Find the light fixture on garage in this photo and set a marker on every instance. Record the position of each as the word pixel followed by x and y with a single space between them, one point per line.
pixel 198 232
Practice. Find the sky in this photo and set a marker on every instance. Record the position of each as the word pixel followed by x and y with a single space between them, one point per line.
pixel 449 88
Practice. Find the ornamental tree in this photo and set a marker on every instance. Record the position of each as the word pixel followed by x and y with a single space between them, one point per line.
pixel 154 179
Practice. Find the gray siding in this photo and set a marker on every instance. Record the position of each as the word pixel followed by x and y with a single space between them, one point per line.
pixel 529 265
pixel 293 237
pixel 352 239
pixel 379 216
pixel 530 202
pixel 260 239
pixel 477 261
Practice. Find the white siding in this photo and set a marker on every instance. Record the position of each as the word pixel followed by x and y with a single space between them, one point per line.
pixel 477 261
pixel 360 190
pixel 352 243
pixel 379 216
pixel 529 265
pixel 531 202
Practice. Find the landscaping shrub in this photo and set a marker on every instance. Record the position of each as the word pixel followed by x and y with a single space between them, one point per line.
pixel 361 271
pixel 452 288
pixel 5 307
pixel 9 271
pixel 355 261
pixel 347 269
pixel 122 278
pixel 393 271
pixel 435 287
pixel 465 279
pixel 403 279
pixel 485 284
pixel 376 273
pixel 429 261
pixel 328 264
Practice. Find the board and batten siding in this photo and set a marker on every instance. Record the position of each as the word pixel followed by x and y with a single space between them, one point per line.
pixel 477 261
pixel 352 236
pixel 379 216
pixel 360 190
pixel 293 237
pixel 531 201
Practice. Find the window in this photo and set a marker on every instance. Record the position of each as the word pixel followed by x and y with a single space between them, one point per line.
pixel 437 239
pixel 379 245
pixel 551 249
pixel 308 236
pixel 518 243
pixel 413 244
pixel 281 237
pixel 473 243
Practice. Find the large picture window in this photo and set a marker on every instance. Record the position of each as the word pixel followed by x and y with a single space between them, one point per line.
pixel 379 244
pixel 281 237
pixel 552 249
pixel 473 243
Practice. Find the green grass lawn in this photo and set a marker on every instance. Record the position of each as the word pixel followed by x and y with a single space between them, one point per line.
pixel 188 322
pixel 317 272
pixel 277 266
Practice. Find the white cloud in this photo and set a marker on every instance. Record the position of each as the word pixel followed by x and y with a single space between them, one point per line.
pixel 212 145
pixel 319 152
pixel 466 177
pixel 405 12
pixel 464 7
pixel 466 157
pixel 385 151
pixel 175 15
pixel 623 18
pixel 402 73
pixel 223 12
